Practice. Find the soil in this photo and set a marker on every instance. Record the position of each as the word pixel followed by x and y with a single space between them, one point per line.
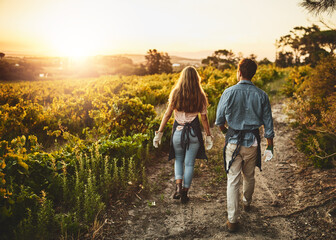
pixel 292 200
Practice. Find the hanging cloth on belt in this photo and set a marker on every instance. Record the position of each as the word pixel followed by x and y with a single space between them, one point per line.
pixel 241 134
pixel 185 138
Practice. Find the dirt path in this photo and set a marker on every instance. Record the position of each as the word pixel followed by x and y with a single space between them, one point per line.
pixel 291 201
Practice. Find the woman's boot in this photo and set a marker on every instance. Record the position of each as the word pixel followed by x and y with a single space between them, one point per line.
pixel 184 195
pixel 178 188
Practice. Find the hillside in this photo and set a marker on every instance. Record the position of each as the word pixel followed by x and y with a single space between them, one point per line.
pixel 139 58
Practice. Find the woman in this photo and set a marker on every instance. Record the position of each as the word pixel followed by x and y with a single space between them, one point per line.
pixel 187 100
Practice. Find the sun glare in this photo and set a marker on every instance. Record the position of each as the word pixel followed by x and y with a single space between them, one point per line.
pixel 73 39
pixel 73 45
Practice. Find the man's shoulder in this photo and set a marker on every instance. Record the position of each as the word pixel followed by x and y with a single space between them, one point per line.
pixel 228 89
pixel 232 88
pixel 260 91
pixel 241 88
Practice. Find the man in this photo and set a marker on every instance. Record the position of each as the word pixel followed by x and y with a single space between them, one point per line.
pixel 244 108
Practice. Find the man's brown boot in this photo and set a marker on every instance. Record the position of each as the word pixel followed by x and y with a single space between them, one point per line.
pixel 247 208
pixel 232 227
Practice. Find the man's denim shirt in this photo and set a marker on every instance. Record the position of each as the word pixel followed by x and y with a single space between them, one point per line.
pixel 245 107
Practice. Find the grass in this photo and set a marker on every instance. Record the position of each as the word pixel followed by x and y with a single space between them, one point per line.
pixel 274 89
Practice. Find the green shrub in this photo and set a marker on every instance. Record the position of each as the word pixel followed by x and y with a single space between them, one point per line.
pixel 313 105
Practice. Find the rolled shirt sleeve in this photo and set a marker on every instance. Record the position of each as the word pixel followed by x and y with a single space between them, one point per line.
pixel 220 114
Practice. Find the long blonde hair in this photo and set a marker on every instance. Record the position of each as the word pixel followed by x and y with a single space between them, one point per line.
pixel 188 94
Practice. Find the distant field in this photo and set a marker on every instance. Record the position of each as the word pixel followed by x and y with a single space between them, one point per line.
pixel 138 58
pixel 64 67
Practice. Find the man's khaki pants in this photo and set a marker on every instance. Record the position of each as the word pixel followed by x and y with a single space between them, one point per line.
pixel 244 164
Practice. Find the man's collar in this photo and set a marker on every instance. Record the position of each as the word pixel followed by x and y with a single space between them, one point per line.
pixel 245 82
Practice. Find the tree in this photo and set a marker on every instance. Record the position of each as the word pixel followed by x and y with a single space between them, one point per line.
pixel 158 62
pixel 253 57
pixel 140 70
pixel 284 59
pixel 319 6
pixel 327 38
pixel 307 45
pixel 153 58
pixel 239 56
pixel 292 40
pixel 2 55
pixel 221 59
pixel 265 61
pixel 165 66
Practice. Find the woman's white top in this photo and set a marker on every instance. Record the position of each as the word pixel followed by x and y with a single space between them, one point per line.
pixel 182 117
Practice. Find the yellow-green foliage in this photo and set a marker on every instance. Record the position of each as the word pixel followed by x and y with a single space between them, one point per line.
pixel 296 79
pixel 314 104
pixel 68 146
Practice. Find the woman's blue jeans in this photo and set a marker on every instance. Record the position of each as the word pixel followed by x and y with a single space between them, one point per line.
pixel 185 157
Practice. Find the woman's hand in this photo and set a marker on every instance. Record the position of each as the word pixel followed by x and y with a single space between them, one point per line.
pixel 208 142
pixel 157 139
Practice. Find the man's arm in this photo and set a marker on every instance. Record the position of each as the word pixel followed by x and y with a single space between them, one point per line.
pixel 268 124
pixel 223 128
pixel 270 144
pixel 220 113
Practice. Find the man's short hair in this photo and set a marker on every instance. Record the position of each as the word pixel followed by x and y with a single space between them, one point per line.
pixel 247 68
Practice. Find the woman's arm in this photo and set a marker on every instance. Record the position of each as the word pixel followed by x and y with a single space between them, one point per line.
pixel 205 122
pixel 166 117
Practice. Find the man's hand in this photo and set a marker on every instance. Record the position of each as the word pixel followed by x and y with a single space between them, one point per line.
pixel 270 148
pixel 223 129
pixel 157 139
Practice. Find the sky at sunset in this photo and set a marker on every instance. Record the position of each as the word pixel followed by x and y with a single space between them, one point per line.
pixel 190 28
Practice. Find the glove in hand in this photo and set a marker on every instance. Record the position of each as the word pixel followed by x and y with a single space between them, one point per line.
pixel 268 154
pixel 208 142
pixel 157 139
